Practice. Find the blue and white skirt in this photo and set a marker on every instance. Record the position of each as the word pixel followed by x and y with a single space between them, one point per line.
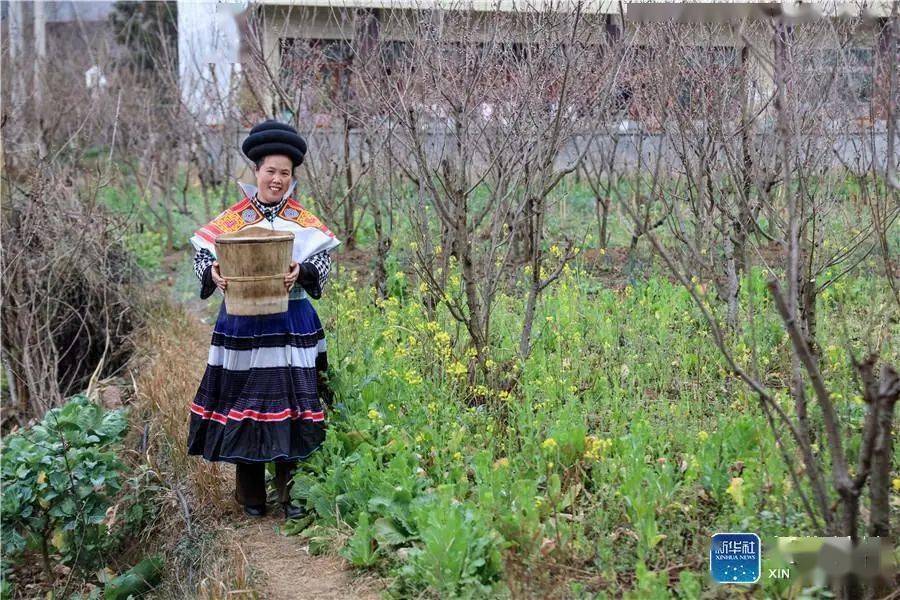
pixel 259 398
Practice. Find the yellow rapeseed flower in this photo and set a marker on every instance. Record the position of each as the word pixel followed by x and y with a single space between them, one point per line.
pixel 595 447
pixel 373 414
pixel 736 490
pixel 549 444
pixel 896 484
pixel 457 369
pixel 702 436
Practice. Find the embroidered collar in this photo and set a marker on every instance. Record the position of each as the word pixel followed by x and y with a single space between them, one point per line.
pixel 269 211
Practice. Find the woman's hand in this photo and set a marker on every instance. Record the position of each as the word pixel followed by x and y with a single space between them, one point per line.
pixel 291 278
pixel 217 278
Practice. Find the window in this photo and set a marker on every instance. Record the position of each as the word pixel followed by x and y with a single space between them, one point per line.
pixel 328 61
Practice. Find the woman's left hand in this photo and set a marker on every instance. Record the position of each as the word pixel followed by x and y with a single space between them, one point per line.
pixel 292 276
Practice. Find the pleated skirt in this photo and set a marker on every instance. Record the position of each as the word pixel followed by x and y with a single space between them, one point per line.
pixel 259 400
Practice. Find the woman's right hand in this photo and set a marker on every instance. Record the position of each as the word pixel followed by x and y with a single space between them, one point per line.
pixel 217 278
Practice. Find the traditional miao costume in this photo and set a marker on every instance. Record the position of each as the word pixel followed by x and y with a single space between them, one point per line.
pixel 260 399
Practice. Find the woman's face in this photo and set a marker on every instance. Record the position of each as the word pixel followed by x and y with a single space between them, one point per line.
pixel 273 177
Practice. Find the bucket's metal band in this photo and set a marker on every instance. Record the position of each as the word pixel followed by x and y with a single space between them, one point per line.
pixel 256 277
pixel 297 292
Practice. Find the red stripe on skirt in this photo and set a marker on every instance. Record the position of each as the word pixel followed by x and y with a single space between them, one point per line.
pixel 238 415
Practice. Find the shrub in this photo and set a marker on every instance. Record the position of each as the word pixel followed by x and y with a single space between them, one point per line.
pixel 69 304
pixel 59 478
pixel 458 556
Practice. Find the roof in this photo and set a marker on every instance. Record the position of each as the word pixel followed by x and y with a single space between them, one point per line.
pixel 692 9
pixel 600 6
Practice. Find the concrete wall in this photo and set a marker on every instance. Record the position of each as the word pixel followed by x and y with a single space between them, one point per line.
pixel 633 150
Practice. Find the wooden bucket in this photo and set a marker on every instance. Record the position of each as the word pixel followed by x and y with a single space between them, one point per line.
pixel 254 261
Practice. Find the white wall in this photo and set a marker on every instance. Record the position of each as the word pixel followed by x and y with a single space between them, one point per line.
pixel 208 55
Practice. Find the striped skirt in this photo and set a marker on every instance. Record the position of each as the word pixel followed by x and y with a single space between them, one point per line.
pixel 259 399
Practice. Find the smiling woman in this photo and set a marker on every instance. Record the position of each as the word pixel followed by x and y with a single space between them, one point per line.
pixel 260 398
pixel 273 174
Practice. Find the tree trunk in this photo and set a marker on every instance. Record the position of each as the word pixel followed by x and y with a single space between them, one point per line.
pixel 382 240
pixel 602 222
pixel 204 191
pixel 40 58
pixel 808 295
pixel 528 323
pixel 732 283
pixel 880 477
pixel 16 23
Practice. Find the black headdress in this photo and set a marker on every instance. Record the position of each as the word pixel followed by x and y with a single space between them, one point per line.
pixel 273 137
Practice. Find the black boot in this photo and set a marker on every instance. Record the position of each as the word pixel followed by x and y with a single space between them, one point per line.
pixel 292 511
pixel 255 510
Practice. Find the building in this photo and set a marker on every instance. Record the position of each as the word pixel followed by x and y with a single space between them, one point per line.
pixel 288 30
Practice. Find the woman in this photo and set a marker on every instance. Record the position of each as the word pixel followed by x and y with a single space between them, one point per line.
pixel 260 398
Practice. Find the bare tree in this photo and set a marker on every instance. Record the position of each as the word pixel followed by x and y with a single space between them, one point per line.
pixel 479 120
pixel 794 177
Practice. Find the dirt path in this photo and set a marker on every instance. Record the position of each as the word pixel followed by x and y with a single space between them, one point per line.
pixel 283 569
pixel 280 567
